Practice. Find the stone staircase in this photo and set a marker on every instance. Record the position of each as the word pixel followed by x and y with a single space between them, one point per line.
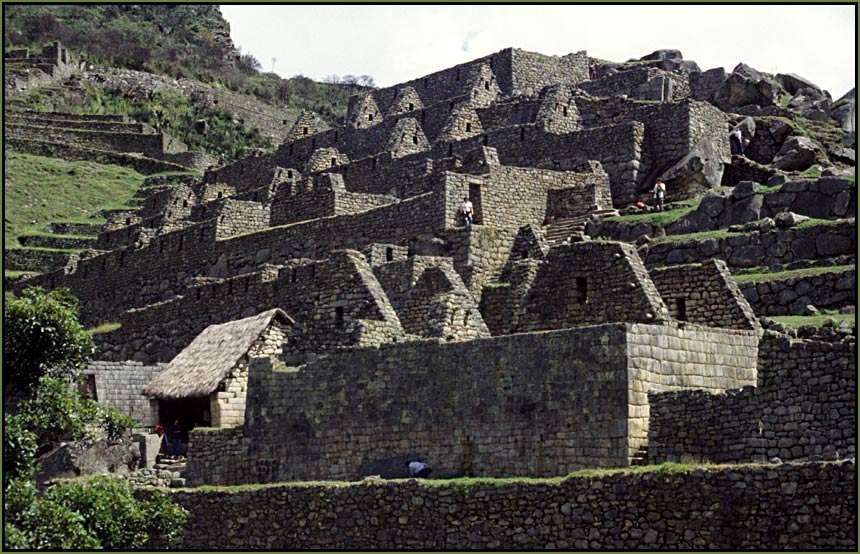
pixel 572 228
pixel 174 464
pixel 640 458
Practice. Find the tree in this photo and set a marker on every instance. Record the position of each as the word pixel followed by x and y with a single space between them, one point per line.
pixel 98 513
pixel 42 336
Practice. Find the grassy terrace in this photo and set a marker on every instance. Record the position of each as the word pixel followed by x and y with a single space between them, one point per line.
pixel 468 482
pixel 723 233
pixel 764 275
pixel 38 190
pixel 795 321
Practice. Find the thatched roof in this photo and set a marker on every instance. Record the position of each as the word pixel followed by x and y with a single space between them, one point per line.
pixel 211 356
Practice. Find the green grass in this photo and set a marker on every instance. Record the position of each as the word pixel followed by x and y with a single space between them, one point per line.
pixel 660 218
pixel 104 328
pixel 14 274
pixel 42 233
pixel 795 321
pixel 38 190
pixel 723 233
pixel 469 482
pixel 46 249
pixel 762 276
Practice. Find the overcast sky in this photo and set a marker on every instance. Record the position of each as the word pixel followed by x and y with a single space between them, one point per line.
pixel 397 43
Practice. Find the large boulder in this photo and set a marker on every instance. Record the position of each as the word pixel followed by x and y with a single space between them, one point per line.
pixel 694 222
pixel 73 459
pixel 665 54
pixel 747 86
pixel 844 111
pixel 700 170
pixel 811 104
pixel 797 153
pixel 743 211
pixel 714 203
pixel 793 83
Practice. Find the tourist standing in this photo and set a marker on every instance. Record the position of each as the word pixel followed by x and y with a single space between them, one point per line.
pixel 176 438
pixel 737 137
pixel 659 192
pixel 467 212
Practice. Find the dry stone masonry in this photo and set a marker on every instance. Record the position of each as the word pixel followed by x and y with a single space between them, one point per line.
pixel 363 324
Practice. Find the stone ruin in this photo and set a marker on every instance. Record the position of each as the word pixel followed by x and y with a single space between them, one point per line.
pixel 514 347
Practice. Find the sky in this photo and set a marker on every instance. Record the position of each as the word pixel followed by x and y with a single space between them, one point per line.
pixel 397 43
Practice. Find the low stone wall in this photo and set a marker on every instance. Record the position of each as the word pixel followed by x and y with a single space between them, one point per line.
pixel 28 259
pixel 804 405
pixel 756 249
pixel 85 138
pixel 804 506
pixel 825 291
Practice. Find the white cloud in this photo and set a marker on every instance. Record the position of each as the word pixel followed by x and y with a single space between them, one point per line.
pixel 396 43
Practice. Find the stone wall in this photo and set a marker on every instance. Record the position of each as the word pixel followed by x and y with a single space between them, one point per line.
pixel 530 404
pixel 586 284
pixel 804 507
pixel 804 405
pixel 120 384
pixel 642 83
pixel 825 291
pixel 704 294
pixel 147 144
pixel 754 249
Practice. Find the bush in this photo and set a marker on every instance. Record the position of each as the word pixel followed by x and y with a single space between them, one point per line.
pixel 19 450
pixel 58 412
pixel 114 516
pixel 42 336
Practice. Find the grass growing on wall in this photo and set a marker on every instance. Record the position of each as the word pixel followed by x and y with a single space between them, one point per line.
pixel 760 276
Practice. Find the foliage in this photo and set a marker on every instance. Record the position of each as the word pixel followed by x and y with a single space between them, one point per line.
pixel 818 320
pixel 19 450
pixel 58 412
pixel 182 41
pixel 102 513
pixel 42 336
pixel 180 116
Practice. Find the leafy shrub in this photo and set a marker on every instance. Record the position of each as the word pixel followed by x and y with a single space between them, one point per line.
pixel 58 412
pixel 19 450
pixel 42 336
pixel 114 423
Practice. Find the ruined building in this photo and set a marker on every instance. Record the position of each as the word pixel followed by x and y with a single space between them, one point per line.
pixel 512 347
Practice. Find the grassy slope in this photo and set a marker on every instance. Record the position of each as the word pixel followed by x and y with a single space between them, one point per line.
pixel 795 321
pixel 48 189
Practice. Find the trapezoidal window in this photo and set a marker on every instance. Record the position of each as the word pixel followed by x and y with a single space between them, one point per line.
pixel 283 122
pixel 220 195
pixel 680 308
pixel 87 387
pixel 411 106
pixel 486 85
pixel 338 316
pixel 564 111
pixel 304 130
pixel 185 203
pixel 128 221
pixel 333 162
pixel 468 127
pixel 370 117
pixel 389 254
pixel 580 292
pixel 414 139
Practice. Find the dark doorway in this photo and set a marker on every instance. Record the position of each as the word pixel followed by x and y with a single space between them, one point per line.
pixel 475 198
pixel 191 413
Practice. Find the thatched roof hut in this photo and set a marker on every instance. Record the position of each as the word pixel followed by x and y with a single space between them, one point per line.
pixel 210 358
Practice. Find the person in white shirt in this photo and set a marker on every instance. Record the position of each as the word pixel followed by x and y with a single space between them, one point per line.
pixel 737 137
pixel 466 211
pixel 659 191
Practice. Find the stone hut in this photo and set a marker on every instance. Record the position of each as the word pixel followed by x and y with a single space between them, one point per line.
pixel 206 383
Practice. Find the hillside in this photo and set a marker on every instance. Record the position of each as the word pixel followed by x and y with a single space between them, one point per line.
pixel 180 41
